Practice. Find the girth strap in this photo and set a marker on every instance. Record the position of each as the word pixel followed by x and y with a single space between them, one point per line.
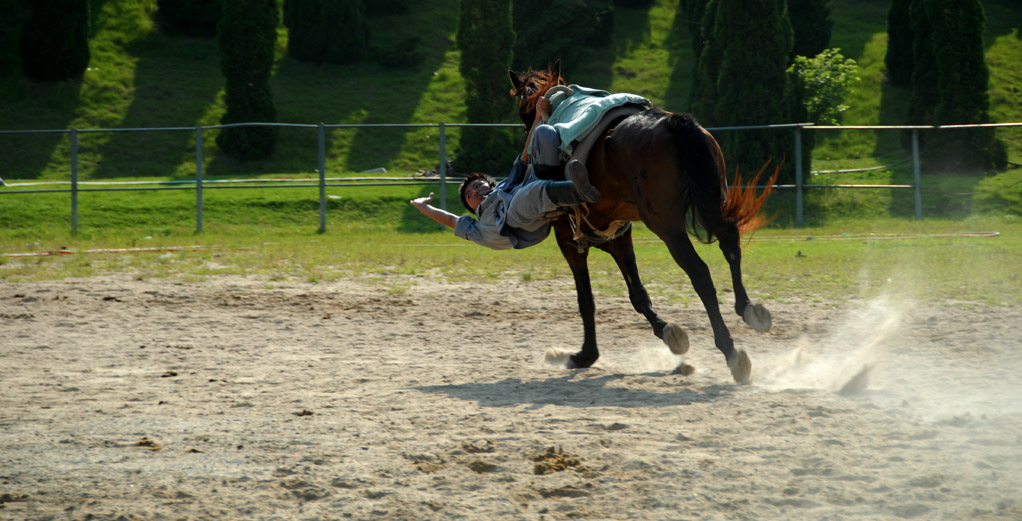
pixel 578 215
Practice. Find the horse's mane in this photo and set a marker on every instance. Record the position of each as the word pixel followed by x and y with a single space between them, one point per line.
pixel 530 86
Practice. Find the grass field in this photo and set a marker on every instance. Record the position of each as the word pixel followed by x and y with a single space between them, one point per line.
pixel 274 234
pixel 140 78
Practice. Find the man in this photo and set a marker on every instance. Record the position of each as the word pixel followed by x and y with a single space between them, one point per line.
pixel 513 213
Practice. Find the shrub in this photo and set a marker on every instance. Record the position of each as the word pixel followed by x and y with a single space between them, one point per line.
pixel 821 84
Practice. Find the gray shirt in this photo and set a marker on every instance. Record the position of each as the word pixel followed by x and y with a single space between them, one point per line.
pixel 511 215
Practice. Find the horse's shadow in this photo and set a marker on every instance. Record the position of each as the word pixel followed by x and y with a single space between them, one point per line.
pixel 569 391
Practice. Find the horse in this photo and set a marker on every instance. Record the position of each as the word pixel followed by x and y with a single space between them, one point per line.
pixel 667 171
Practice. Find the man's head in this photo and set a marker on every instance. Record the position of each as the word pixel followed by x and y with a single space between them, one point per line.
pixel 474 188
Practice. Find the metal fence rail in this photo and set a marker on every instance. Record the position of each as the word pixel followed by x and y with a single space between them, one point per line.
pixel 200 184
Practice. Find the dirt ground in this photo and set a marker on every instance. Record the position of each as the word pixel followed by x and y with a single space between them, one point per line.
pixel 239 398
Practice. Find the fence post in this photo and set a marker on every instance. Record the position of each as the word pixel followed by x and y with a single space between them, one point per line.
pixel 198 179
pixel 322 178
pixel 915 174
pixel 74 181
pixel 798 175
pixel 442 167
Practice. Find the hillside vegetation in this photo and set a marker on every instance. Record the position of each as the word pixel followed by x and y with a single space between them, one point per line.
pixel 140 78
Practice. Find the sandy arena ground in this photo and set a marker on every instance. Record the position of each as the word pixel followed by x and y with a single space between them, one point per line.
pixel 241 399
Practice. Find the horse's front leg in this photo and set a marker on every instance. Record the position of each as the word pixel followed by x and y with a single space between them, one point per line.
pixel 755 315
pixel 577 261
pixel 624 254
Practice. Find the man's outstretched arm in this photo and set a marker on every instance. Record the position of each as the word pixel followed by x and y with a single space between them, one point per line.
pixel 424 204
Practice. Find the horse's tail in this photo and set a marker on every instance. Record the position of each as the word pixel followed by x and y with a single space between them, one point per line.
pixel 742 205
pixel 711 207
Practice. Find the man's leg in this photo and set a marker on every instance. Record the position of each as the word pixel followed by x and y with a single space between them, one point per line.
pixel 545 148
pixel 547 161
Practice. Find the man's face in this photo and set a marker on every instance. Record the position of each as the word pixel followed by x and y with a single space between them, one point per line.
pixel 475 192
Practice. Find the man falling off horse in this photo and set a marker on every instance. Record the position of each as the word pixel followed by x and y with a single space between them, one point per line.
pixel 515 213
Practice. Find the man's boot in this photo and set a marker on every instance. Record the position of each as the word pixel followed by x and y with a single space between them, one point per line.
pixel 579 175
pixel 576 191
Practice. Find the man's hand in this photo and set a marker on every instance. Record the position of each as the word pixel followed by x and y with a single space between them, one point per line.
pixel 423 202
pixel 425 205
pixel 542 109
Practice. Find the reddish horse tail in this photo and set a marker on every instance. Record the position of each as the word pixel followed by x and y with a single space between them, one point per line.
pixel 743 205
pixel 713 207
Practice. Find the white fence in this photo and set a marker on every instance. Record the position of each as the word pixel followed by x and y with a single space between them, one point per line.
pixel 199 184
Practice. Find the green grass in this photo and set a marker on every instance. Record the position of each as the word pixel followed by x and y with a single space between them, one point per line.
pixel 140 78
pixel 830 264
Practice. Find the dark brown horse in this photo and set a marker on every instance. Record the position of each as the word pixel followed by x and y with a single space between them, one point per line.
pixel 667 171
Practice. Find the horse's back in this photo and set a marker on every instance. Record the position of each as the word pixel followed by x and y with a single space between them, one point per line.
pixel 658 166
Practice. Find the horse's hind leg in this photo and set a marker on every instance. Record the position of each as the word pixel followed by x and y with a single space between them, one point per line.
pixel 624 254
pixel 685 255
pixel 755 315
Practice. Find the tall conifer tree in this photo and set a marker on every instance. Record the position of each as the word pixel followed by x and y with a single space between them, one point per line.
pixel 962 79
pixel 485 38
pixel 247 35
pixel 55 40
pixel 742 78
pixel 899 43
pixel 810 19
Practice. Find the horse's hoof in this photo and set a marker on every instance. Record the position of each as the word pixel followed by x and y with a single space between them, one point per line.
pixel 676 338
pixel 577 361
pixel 740 366
pixel 757 317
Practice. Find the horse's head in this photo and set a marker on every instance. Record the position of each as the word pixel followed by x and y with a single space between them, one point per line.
pixel 529 86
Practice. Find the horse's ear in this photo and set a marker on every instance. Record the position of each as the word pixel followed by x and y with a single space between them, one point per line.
pixel 516 82
pixel 555 72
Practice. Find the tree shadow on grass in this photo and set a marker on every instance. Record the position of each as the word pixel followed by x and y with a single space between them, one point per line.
pixel 176 81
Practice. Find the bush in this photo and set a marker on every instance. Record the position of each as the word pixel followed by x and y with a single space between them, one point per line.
pixel 821 84
pixel 188 17
pixel 55 40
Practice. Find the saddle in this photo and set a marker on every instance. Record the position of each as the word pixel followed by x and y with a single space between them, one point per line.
pixel 580 151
